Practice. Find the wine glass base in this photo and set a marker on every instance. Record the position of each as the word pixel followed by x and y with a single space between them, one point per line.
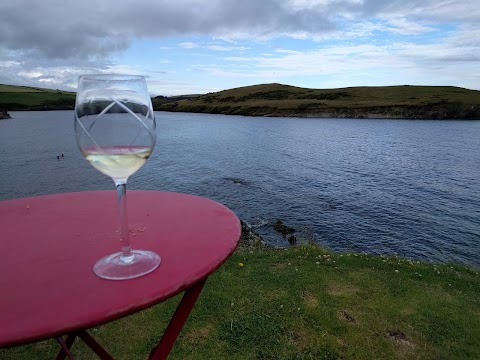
pixel 119 267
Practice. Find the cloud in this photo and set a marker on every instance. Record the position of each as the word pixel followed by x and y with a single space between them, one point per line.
pixel 90 29
pixel 285 51
pixel 455 57
pixel 237 58
pixel 188 45
pixel 404 26
pixel 59 74
pixel 62 29
pixel 213 47
pixel 51 42
pixel 226 48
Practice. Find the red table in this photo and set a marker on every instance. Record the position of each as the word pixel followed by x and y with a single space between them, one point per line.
pixel 50 243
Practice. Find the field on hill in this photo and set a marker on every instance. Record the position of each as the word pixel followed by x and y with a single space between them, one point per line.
pixel 422 102
pixel 408 102
pixel 17 98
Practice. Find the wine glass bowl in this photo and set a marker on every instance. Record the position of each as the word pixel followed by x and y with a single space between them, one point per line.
pixel 116 132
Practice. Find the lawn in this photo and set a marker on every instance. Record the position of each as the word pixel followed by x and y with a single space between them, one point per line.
pixel 308 303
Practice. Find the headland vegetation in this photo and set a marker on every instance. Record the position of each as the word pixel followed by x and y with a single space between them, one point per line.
pixel 277 100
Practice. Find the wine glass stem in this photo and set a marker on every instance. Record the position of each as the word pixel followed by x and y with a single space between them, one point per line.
pixel 127 255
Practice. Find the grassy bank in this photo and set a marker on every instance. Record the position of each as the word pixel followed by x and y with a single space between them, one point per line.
pixel 306 303
pixel 411 102
pixel 18 98
pixel 407 102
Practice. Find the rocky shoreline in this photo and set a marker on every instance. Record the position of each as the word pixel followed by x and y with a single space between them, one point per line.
pixel 4 115
pixel 426 112
pixel 251 239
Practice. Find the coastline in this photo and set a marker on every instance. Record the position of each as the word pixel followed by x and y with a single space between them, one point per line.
pixel 387 102
pixel 394 112
pixel 278 100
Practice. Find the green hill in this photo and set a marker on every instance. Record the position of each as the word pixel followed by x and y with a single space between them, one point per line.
pixel 17 98
pixel 411 102
pixel 408 102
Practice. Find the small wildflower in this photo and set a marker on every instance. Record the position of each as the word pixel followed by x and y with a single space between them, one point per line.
pixel 241 264
pixel 281 306
pixel 317 263
pixel 396 271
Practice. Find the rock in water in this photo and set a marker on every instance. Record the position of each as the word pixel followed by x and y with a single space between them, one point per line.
pixel 249 237
pixel 282 228
pixel 4 114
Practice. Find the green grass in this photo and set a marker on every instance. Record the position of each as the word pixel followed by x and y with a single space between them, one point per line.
pixel 306 303
pixel 435 102
pixel 411 102
pixel 15 89
pixel 28 98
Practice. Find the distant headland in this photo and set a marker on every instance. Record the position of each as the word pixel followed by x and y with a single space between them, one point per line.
pixel 386 102
pixel 277 100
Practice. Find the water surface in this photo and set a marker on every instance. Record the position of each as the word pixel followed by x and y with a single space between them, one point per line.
pixel 381 186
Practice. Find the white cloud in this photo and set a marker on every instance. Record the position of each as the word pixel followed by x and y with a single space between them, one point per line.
pixel 7 64
pixel 285 51
pixel 226 48
pixel 404 26
pixel 370 64
pixel 237 59
pixel 188 45
pixel 52 42
pixel 30 74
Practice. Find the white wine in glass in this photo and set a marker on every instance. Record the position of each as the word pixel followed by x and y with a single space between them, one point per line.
pixel 115 131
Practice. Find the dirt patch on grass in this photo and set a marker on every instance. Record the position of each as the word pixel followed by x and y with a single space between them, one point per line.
pixel 280 266
pixel 399 338
pixel 342 289
pixel 298 339
pixel 275 294
pixel 198 334
pixel 310 300
pixel 43 345
pixel 347 316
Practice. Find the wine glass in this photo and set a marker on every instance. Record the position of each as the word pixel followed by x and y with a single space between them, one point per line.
pixel 115 131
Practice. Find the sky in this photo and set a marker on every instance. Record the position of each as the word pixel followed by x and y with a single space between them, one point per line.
pixel 201 46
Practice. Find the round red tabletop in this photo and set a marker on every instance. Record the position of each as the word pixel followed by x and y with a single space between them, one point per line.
pixel 50 243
